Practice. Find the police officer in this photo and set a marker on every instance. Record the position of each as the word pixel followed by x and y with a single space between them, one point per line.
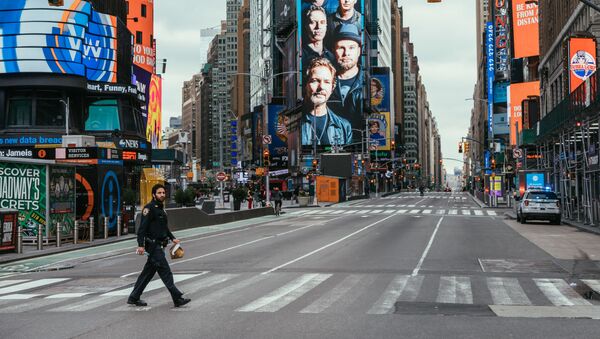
pixel 153 236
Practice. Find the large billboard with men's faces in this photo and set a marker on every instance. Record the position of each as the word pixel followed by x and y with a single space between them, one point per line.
pixel 331 42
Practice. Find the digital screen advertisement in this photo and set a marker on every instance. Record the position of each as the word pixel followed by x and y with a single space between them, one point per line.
pixel 331 43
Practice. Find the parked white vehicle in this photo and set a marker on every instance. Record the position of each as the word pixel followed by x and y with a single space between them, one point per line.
pixel 539 205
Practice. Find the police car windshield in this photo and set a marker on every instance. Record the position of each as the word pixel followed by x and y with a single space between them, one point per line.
pixel 542 195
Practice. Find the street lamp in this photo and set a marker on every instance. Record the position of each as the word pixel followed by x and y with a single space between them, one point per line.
pixel 67 113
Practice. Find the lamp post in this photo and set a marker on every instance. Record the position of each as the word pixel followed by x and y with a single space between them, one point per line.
pixel 67 113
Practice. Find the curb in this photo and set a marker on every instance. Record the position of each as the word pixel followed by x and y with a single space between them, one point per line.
pixel 583 228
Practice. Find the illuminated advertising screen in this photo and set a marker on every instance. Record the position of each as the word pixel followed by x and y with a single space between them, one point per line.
pixel 380 90
pixel 502 39
pixel 526 28
pixel 380 131
pixel 143 79
pixel 516 94
pixel 535 181
pixel 331 43
pixel 582 61
pixel 278 129
pixel 140 21
pixel 154 125
pixel 68 39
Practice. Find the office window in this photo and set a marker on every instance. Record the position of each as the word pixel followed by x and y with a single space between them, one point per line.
pixel 20 112
pixel 139 38
pixel 35 109
pixel 143 11
pixel 103 115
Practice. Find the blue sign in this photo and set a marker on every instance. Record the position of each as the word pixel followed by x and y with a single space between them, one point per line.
pixel 489 44
pixel 278 125
pixel 500 92
pixel 111 198
pixel 535 181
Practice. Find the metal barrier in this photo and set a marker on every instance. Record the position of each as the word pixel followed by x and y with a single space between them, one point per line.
pixel 19 239
pixel 91 229
pixel 76 233
pixel 40 238
pixel 58 228
pixel 119 226
pixel 105 227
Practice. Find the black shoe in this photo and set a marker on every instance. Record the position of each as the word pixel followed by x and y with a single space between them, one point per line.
pixel 181 301
pixel 138 302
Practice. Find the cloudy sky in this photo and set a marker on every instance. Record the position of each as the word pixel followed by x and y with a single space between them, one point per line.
pixel 443 35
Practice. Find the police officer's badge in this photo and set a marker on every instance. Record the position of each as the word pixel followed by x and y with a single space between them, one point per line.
pixel 145 211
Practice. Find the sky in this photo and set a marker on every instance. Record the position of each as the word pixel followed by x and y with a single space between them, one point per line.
pixel 443 35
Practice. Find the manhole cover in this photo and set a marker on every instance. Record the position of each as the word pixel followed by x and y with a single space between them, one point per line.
pixel 519 266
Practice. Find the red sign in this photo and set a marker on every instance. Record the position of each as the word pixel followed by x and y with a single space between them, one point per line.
pixel 582 60
pixel 221 176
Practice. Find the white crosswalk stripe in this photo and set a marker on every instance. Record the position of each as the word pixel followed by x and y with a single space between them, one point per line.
pixel 333 295
pixel 427 211
pixel 465 212
pixel 283 296
pixel 153 285
pixel 478 212
pixel 452 212
pixel 507 291
pixel 560 293
pixel 376 211
pixel 492 213
pixel 401 211
pixel 593 284
pixel 455 290
pixel 30 285
pixel 12 282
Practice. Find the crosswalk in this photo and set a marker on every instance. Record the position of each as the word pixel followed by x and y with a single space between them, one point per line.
pixel 402 209
pixel 314 293
pixel 448 197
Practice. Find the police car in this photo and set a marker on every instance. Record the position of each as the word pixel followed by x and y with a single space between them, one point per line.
pixel 539 205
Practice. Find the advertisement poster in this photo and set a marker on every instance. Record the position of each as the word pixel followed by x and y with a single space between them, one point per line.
pixel 279 133
pixel 154 124
pixel 582 60
pixel 23 187
pixel 332 71
pixel 140 18
pixel 110 194
pixel 380 131
pixel 535 181
pixel 380 90
pixel 62 199
pixel 516 94
pixel 68 39
pixel 526 28
pixel 257 134
pixel 142 82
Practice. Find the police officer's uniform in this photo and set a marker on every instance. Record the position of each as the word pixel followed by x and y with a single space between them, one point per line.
pixel 154 235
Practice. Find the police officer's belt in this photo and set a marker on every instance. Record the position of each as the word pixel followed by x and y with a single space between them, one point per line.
pixel 155 242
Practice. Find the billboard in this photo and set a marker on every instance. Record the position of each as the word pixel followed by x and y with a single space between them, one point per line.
pixel 502 39
pixel 380 90
pixel 69 39
pixel 62 199
pixel 526 28
pixel 143 79
pixel 489 43
pixel 154 124
pixel 23 187
pixel 278 129
pixel 380 131
pixel 535 181
pixel 516 94
pixel 331 67
pixel 140 18
pixel 582 61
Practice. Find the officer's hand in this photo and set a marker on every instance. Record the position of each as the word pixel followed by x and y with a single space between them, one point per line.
pixel 176 241
pixel 140 251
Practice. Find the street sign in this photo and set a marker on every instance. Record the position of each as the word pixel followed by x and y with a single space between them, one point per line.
pixel 517 153
pixel 267 139
pixel 221 176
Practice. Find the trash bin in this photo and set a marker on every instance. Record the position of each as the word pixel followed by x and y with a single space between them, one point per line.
pixel 8 231
pixel 208 206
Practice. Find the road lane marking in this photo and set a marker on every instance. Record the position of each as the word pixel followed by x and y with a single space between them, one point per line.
pixel 412 288
pixel 455 290
pixel 389 211
pixel 478 212
pixel 507 291
pixel 452 212
pixel 351 212
pixel 30 285
pixel 18 296
pixel 414 212
pixel 286 294
pixel 328 245
pixel 492 213
pixel 465 212
pixel 12 282
pixel 387 300
pixel 440 212
pixel 401 211
pixel 376 211
pixel 418 268
pixel 560 293
pixel 427 211
pixel 593 284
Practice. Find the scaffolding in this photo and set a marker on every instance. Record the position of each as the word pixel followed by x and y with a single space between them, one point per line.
pixel 569 153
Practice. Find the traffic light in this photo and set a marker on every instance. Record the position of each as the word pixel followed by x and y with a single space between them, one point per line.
pixel 467 146
pixel 460 144
pixel 493 163
pixel 393 145
pixel 314 164
pixel 266 158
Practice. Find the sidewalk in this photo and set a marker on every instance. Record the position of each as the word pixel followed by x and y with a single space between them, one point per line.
pixel 227 206
pixel 483 205
pixel 580 226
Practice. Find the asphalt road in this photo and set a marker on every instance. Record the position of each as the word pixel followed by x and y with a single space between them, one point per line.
pixel 399 267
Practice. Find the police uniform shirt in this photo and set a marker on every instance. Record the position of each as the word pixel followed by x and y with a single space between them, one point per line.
pixel 154 223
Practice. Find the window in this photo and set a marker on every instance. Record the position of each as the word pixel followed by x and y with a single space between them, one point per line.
pixel 139 38
pixel 20 112
pixel 143 11
pixel 103 115
pixel 49 112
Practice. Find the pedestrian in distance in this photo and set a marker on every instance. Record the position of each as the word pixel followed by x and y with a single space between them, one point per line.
pixel 153 236
pixel 277 196
pixel 250 198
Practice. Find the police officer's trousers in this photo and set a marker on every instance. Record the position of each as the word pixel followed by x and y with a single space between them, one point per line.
pixel 156 263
